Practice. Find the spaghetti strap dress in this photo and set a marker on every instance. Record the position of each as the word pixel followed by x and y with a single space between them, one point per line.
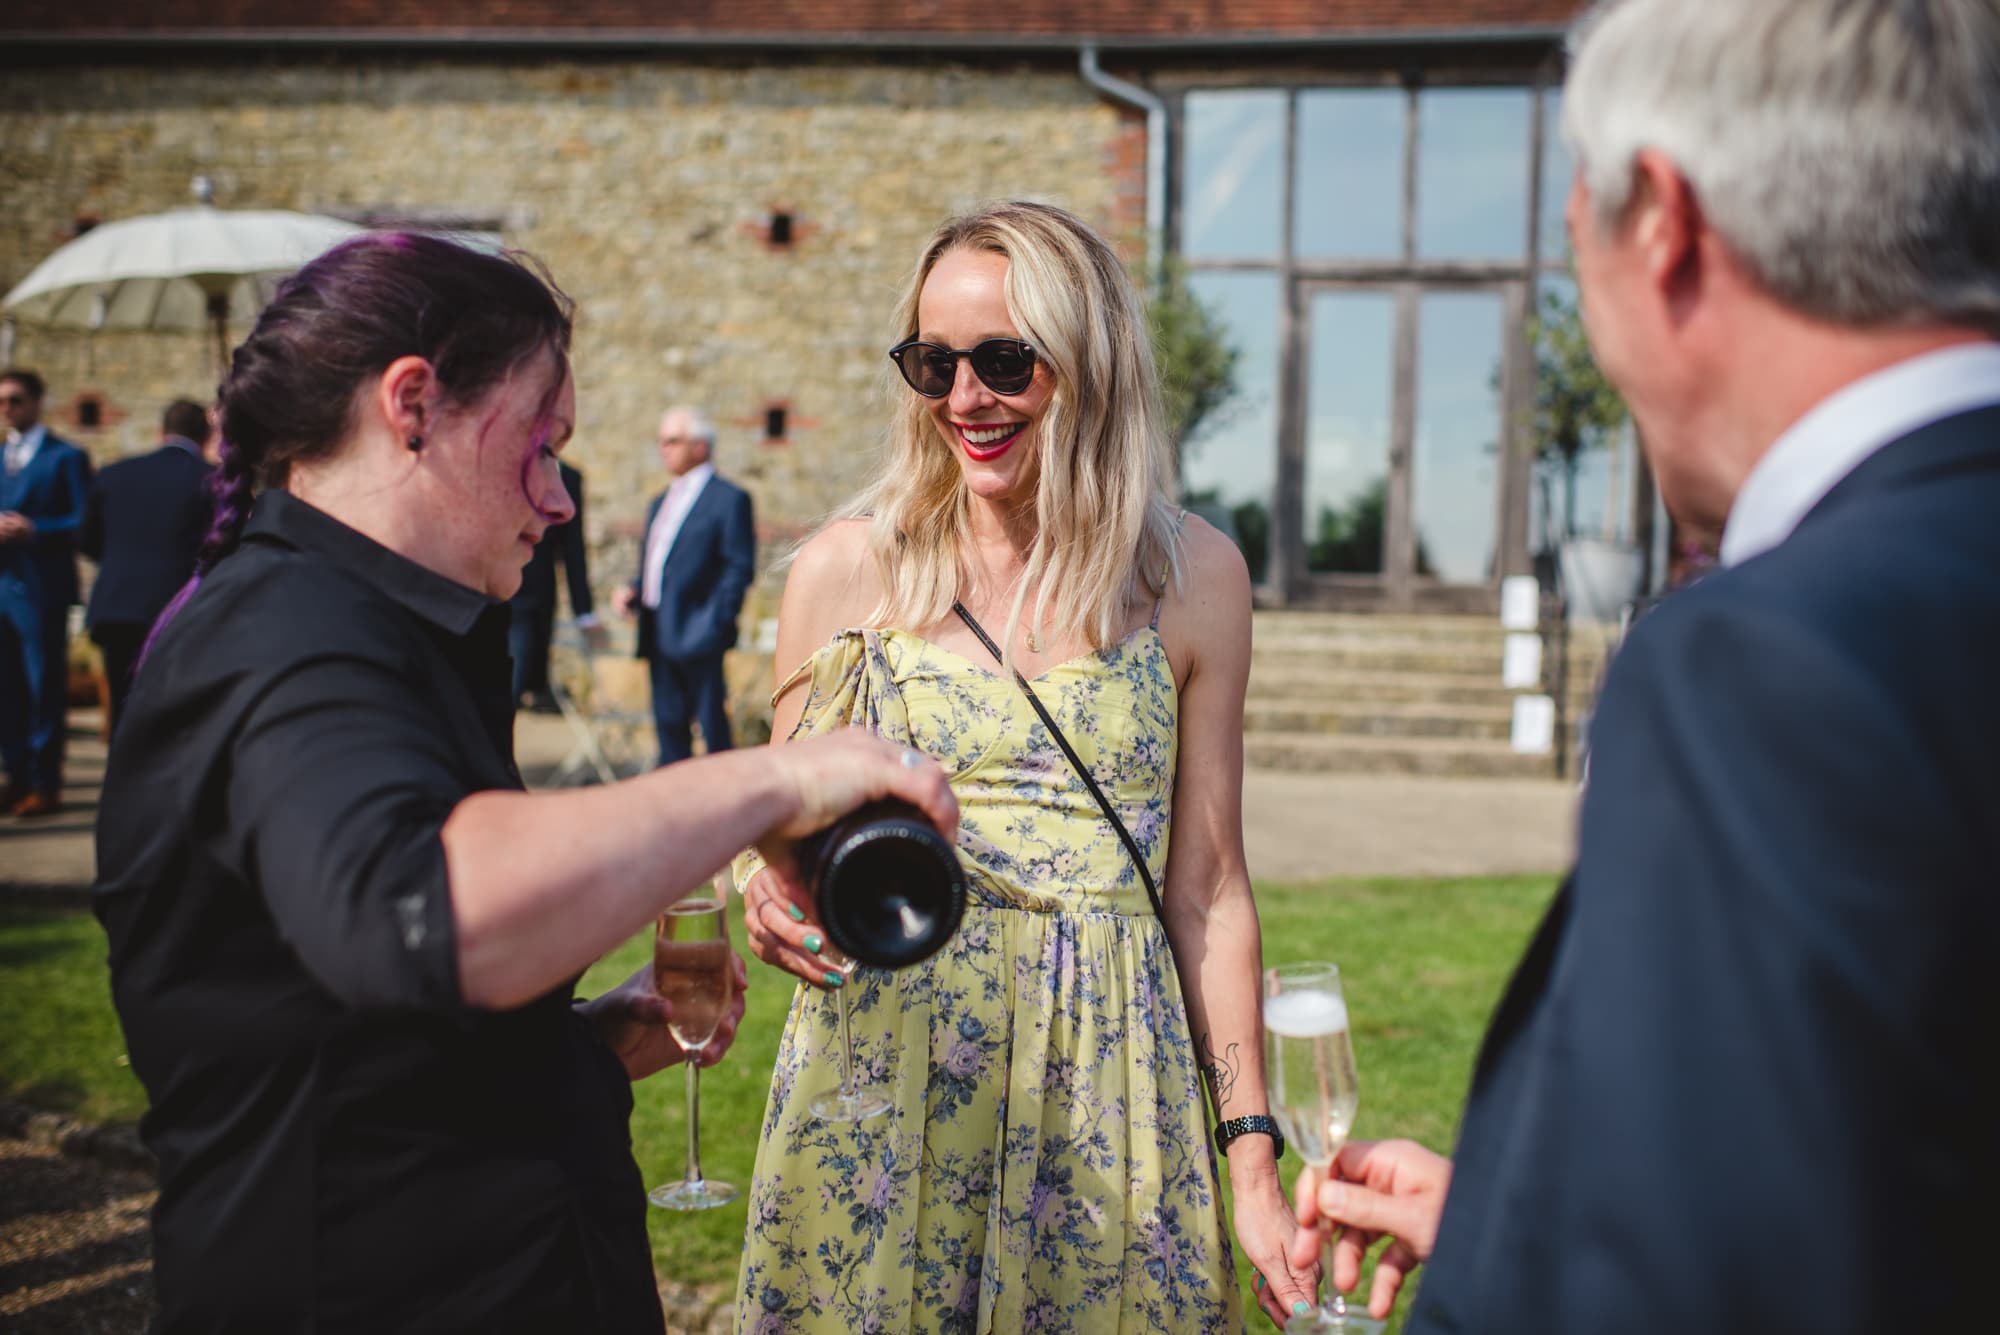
pixel 1046 1165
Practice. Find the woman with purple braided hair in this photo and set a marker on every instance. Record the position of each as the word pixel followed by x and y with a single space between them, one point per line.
pixel 343 941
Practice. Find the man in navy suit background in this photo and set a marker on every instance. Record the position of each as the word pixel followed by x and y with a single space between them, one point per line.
pixel 533 606
pixel 696 564
pixel 145 522
pixel 1743 1079
pixel 44 486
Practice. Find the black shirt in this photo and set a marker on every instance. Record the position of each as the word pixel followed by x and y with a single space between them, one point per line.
pixel 344 1143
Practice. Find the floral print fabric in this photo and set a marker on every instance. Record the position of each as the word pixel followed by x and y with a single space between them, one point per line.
pixel 1046 1166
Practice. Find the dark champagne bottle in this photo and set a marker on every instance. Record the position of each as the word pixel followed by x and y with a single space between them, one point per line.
pixel 886 885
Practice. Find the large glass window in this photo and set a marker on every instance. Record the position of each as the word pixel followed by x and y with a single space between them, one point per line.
pixel 1454 485
pixel 1229 465
pixel 1597 490
pixel 1472 173
pixel 1407 244
pixel 1348 192
pixel 1235 160
pixel 1349 407
pixel 1556 171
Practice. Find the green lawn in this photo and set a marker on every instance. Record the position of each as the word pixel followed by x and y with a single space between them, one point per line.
pixel 1423 964
pixel 60 1047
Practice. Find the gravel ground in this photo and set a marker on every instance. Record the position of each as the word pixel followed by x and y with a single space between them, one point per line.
pixel 73 1249
pixel 75 1258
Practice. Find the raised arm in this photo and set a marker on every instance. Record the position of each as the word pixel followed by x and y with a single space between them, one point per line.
pixel 400 892
pixel 542 884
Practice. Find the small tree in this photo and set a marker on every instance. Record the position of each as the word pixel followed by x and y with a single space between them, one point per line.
pixel 1576 408
pixel 1190 345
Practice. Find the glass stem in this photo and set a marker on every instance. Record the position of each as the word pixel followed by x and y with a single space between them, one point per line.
pixel 1334 1306
pixel 694 1122
pixel 846 1043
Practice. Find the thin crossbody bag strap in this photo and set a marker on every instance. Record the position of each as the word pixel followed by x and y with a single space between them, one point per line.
pixel 1076 762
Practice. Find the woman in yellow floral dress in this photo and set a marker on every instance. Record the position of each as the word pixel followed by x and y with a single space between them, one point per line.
pixel 1047 1163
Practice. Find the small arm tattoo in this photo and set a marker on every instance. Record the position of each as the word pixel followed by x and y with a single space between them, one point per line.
pixel 1220 1070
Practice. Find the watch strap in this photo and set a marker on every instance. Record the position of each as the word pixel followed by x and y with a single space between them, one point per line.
pixel 1243 1126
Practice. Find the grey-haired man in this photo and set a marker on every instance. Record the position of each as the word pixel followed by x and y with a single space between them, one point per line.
pixel 1742 1080
pixel 696 563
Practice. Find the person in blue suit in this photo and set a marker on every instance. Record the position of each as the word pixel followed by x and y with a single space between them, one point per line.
pixel 1742 1080
pixel 44 486
pixel 696 564
pixel 143 527
pixel 532 626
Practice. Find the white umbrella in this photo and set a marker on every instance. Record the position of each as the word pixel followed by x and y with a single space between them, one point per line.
pixel 182 269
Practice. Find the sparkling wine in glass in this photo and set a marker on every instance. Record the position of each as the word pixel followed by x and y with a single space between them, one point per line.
pixel 694 971
pixel 1310 1081
pixel 849 1102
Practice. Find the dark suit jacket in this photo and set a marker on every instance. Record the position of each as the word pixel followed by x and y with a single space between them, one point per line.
pixel 564 543
pixel 144 524
pixel 52 491
pixel 1744 1079
pixel 709 569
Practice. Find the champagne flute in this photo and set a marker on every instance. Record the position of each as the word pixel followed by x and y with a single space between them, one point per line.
pixel 694 971
pixel 848 1102
pixel 1310 1081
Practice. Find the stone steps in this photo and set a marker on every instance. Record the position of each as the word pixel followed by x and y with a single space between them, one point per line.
pixel 1354 688
pixel 1453 757
pixel 1393 694
pixel 1469 663
pixel 1420 719
pixel 1393 625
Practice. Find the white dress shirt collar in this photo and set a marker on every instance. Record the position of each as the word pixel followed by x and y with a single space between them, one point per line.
pixel 1840 433
pixel 21 447
pixel 695 478
pixel 681 495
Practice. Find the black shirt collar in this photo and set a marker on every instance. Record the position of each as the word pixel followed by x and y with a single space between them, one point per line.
pixel 283 517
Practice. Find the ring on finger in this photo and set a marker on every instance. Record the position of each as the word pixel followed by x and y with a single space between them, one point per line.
pixel 912 758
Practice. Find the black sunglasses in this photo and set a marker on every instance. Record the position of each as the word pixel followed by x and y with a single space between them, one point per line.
pixel 1003 365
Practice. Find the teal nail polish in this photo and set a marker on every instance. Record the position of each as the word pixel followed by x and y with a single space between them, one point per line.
pixel 798 914
pixel 833 979
pixel 1301 1307
pixel 813 942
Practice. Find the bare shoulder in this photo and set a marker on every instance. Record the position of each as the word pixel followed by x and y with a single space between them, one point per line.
pixel 1206 620
pixel 1217 581
pixel 832 585
pixel 835 555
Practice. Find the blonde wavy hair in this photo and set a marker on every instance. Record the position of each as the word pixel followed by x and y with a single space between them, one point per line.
pixel 1107 533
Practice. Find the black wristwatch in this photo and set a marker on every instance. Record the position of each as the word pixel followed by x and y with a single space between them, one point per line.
pixel 1243 1126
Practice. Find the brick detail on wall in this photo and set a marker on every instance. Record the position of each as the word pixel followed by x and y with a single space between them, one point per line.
pixel 1125 164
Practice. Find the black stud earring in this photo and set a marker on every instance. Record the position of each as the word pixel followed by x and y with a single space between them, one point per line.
pixel 415 443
